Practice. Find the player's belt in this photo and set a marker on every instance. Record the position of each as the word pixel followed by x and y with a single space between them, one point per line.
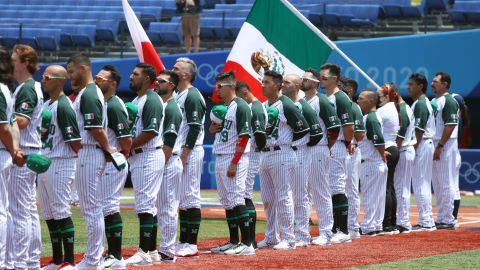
pixel 258 149
pixel 141 150
pixel 294 148
pixel 275 148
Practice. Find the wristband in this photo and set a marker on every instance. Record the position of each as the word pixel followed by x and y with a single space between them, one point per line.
pixel 242 143
pixel 332 134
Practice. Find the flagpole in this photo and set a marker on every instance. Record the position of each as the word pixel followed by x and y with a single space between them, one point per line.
pixel 332 45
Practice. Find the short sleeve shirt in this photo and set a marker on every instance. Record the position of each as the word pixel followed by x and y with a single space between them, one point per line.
pixel 446 114
pixel 193 107
pixel 259 119
pixel 312 119
pixel 406 131
pixel 343 108
pixel 149 118
pixel 172 122
pixel 326 112
pixel 374 137
pixel 424 119
pixel 391 125
pixel 29 103
pixel 91 112
pixel 117 121
pixel 6 108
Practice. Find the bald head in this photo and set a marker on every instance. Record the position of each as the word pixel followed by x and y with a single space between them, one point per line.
pixel 291 85
pixel 56 70
pixel 367 100
pixel 54 78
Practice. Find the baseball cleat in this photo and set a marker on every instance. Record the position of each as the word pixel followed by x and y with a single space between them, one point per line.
pixel 301 243
pixel 241 249
pixel 402 229
pixel 188 251
pixel 339 238
pixel 265 244
pixel 354 234
pixel 284 245
pixel 66 266
pixel 51 266
pixel 320 241
pixel 167 258
pixel 83 265
pixel 110 262
pixel 368 234
pixel 222 248
pixel 139 259
pixel 444 226
pixel 155 256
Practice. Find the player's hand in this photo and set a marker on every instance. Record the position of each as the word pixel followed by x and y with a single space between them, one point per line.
pixel 19 158
pixel 232 170
pixel 108 152
pixel 437 153
pixel 214 128
pixel 385 157
pixel 351 149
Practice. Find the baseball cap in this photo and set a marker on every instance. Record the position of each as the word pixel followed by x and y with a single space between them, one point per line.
pixel 38 163
pixel 46 120
pixel 132 110
pixel 272 113
pixel 217 114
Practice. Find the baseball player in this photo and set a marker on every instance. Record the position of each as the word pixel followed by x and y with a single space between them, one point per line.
pixel 23 240
pixel 390 122
pixel 422 166
pixel 167 201
pixel 190 137
pixel 446 149
pixel 231 165
pixel 147 160
pixel 349 86
pixel 278 163
pixel 318 182
pixel 61 143
pixel 112 181
pixel 74 200
pixel 91 118
pixel 9 137
pixel 257 143
pixel 329 74
pixel 373 178
pixel 290 88
pixel 403 172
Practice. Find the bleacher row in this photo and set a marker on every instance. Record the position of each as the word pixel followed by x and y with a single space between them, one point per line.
pixel 52 24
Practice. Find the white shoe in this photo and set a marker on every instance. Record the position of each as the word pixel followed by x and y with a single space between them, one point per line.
pixel 155 256
pixel 188 251
pixel 179 246
pixel 284 245
pixel 110 262
pixel 320 241
pixel 301 243
pixel 138 259
pixel 66 266
pixel 354 234
pixel 241 249
pixel 85 266
pixel 264 244
pixel 51 266
pixel 455 224
pixel 340 237
pixel 222 248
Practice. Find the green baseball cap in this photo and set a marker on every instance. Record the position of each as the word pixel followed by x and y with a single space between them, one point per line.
pixel 217 114
pixel 132 110
pixel 38 163
pixel 46 119
pixel 272 113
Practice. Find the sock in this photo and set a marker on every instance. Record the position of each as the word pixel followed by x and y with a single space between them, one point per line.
pixel 153 242
pixel 68 237
pixel 232 226
pixel 456 205
pixel 183 216
pixel 113 231
pixel 56 239
pixel 340 212
pixel 193 225
pixel 146 225
pixel 252 213
pixel 243 222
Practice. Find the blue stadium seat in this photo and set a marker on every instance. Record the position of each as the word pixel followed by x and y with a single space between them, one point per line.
pixel 361 14
pixel 208 26
pixel 245 1
pixel 233 6
pixel 165 33
pixel 465 12
pixel 176 19
pixel 77 35
pixel 233 25
pixel 211 3
pixel 437 4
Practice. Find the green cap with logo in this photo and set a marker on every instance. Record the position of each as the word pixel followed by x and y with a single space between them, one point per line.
pixel 217 114
pixel 38 163
pixel 272 113
pixel 132 110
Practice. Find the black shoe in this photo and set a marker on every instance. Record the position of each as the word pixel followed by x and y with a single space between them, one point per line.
pixel 402 229
pixel 443 226
pixel 380 233
pixel 167 259
pixel 369 234
pixel 417 228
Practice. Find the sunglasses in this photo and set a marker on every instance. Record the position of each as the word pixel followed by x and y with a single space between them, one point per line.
pixel 100 79
pixel 47 78
pixel 220 85
pixel 160 80
pixel 305 79
pixel 326 77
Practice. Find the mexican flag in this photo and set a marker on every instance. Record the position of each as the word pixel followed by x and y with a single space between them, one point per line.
pixel 145 49
pixel 275 36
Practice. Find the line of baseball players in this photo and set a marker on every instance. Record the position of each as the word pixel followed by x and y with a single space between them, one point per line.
pixel 314 148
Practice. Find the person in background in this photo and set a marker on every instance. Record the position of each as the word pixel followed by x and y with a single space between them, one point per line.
pixel 190 10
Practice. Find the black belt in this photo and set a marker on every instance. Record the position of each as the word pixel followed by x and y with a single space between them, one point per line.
pixel 140 150
pixel 363 160
pixel 294 148
pixel 270 149
pixel 258 149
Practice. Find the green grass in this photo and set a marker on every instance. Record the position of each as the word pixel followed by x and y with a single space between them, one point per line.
pixel 209 228
pixel 458 260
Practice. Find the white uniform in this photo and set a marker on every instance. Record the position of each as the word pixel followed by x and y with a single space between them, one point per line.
pixel 231 190
pixel 318 183
pixel 24 243
pixel 6 117
pixel 277 169
pixel 91 113
pixel 168 197
pixel 353 173
pixel 443 176
pixel 373 178
pixel 193 108
pixel 112 181
pixel 404 169
pixel 301 200
pixel 54 185
pixel 422 167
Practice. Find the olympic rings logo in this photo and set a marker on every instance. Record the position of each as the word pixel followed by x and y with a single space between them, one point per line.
pixel 470 172
pixel 207 73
